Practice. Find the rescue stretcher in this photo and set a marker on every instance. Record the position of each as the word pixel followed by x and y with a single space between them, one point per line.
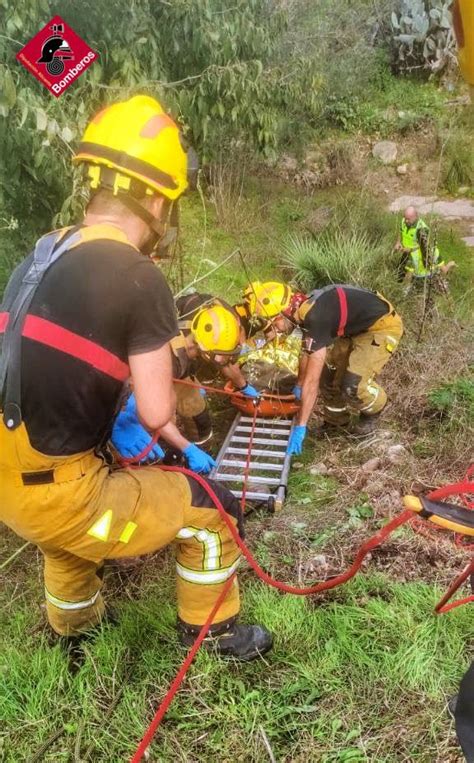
pixel 254 451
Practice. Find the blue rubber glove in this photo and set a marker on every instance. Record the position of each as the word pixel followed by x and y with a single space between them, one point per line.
pixel 249 391
pixel 295 446
pixel 297 391
pixel 202 392
pixel 198 460
pixel 129 438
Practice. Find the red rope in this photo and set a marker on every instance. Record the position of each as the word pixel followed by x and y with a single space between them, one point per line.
pixel 249 458
pixel 460 488
pixel 168 698
pixel 217 390
pixel 366 547
pixel 442 607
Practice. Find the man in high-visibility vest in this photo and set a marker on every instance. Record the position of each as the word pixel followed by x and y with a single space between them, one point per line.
pixel 420 256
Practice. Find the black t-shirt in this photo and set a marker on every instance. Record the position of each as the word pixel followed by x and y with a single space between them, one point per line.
pixel 99 303
pixel 322 314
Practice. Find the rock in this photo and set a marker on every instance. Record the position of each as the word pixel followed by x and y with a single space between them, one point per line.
pixel 396 454
pixel 401 114
pixel 297 466
pixel 372 465
pixel 463 189
pixel 386 151
pixel 376 486
pixel 402 169
pixel 320 468
pixel 298 526
pixel 317 564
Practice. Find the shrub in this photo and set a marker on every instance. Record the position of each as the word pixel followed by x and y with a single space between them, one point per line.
pixel 335 256
pixel 423 36
pixel 455 398
pixel 458 162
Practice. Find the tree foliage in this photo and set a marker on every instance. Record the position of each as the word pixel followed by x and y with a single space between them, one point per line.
pixel 213 63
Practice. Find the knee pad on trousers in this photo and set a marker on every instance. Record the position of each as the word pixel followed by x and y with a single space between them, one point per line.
pixel 200 498
pixel 197 428
pixel 350 387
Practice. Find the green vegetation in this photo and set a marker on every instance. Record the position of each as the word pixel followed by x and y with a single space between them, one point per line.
pixel 335 662
pixel 454 398
pixel 458 162
pixel 363 673
pixel 339 257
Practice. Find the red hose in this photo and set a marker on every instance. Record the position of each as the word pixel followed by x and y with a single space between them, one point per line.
pixel 366 547
pixel 168 698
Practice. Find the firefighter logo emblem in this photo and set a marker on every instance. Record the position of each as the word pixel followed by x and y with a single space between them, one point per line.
pixel 56 56
pixel 55 51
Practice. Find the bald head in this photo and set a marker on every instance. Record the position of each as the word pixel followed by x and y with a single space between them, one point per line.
pixel 410 215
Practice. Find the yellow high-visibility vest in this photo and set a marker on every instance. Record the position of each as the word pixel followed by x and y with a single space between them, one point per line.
pixel 409 240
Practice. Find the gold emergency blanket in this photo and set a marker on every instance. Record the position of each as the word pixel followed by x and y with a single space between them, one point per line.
pixel 273 365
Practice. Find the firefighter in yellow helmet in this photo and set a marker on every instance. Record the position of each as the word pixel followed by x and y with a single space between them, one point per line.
pixel 362 330
pixel 188 307
pixel 214 335
pixel 82 315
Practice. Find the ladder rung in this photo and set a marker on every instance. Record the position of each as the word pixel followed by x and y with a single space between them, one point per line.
pixel 251 496
pixel 276 422
pixel 259 441
pixel 253 464
pixel 262 430
pixel 258 452
pixel 251 479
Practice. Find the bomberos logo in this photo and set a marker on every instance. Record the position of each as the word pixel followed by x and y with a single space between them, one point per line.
pixel 57 56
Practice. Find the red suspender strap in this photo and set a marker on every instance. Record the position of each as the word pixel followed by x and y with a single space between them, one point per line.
pixel 52 335
pixel 342 310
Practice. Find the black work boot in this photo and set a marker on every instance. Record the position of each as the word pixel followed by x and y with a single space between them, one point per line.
pixel 366 424
pixel 229 639
pixel 332 428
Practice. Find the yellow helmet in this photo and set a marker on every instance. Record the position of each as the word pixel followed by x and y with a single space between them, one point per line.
pixel 136 140
pixel 216 330
pixel 267 299
pixel 463 22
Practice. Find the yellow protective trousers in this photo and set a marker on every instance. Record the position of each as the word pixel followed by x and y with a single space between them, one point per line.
pixel 348 382
pixel 80 513
pixel 193 414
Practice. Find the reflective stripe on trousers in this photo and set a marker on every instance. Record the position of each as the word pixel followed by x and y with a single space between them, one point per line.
pixel 71 605
pixel 206 577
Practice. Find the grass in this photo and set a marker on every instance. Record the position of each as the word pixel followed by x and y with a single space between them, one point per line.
pixel 314 696
pixel 458 162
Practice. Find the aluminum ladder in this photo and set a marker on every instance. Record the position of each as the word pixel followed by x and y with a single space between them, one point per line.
pixel 269 462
